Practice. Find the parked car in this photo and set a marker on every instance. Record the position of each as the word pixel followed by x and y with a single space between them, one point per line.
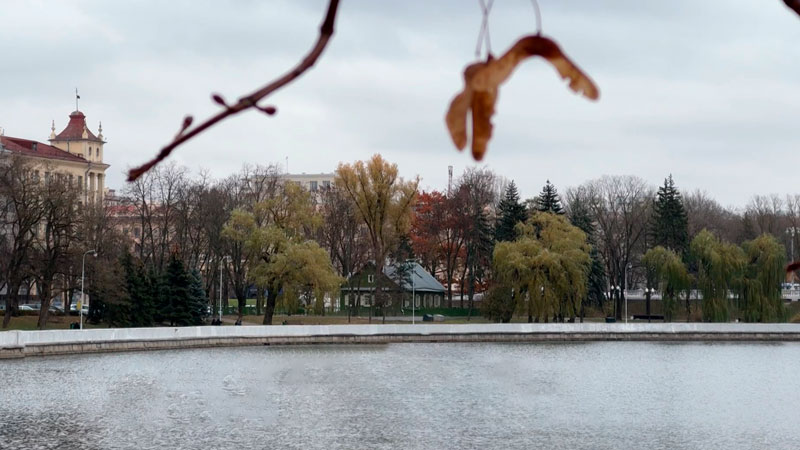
pixel 28 307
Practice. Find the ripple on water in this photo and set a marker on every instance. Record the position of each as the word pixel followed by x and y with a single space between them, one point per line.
pixel 415 396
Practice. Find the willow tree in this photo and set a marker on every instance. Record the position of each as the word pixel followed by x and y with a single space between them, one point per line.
pixel 719 271
pixel 760 291
pixel 384 203
pixel 546 267
pixel 276 247
pixel 671 275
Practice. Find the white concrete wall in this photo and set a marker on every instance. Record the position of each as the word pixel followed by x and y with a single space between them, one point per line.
pixel 22 338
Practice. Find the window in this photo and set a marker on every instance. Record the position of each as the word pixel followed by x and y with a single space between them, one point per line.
pixel 90 152
pixel 80 182
pixel 370 278
pixel 137 232
pixel 97 152
pixel 326 184
pixel 313 186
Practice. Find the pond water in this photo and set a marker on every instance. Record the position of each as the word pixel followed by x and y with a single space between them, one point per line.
pixel 409 396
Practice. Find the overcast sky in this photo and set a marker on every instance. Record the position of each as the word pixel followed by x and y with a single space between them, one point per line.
pixel 706 90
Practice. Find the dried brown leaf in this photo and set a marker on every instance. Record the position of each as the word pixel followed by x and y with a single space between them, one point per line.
pixel 498 71
pixel 482 112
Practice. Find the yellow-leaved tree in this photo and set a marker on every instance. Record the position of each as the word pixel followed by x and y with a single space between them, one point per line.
pixel 384 203
pixel 280 255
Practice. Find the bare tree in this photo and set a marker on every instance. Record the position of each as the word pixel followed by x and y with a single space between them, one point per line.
pixel 344 236
pixel 621 207
pixel 56 239
pixel 22 213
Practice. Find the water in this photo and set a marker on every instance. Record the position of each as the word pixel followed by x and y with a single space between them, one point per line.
pixel 409 396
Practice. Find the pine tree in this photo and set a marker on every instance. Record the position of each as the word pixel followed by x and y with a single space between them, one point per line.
pixel 509 212
pixel 176 294
pixel 199 301
pixel 139 293
pixel 548 200
pixel 669 226
pixel 580 216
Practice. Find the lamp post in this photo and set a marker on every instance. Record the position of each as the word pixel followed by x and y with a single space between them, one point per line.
pixel 625 290
pixel 221 262
pixel 83 271
pixel 648 292
pixel 413 294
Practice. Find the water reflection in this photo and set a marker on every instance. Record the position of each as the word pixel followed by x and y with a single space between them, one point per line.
pixel 417 396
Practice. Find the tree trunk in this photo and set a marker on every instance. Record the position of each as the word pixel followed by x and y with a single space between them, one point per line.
pixel 259 301
pixel 12 301
pixel 44 295
pixel 269 311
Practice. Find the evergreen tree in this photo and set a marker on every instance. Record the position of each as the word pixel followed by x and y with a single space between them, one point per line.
pixel 140 307
pixel 580 216
pixel 199 302
pixel 176 298
pixel 510 212
pixel 548 200
pixel 669 225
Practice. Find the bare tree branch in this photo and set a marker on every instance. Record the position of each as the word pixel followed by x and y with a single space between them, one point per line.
pixel 249 101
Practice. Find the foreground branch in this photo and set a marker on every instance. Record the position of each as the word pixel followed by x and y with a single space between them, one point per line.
pixel 249 101
pixel 794 5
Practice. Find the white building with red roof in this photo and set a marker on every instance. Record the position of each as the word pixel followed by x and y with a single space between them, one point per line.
pixel 75 152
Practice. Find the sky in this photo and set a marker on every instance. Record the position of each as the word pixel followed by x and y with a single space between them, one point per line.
pixel 706 91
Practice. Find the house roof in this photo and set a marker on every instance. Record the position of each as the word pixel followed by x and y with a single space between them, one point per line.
pixel 33 148
pixel 75 128
pixel 422 280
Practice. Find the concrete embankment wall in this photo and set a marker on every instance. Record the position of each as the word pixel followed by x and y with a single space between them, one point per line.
pixel 19 344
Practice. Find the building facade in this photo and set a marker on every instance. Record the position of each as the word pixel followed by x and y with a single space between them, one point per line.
pixel 76 152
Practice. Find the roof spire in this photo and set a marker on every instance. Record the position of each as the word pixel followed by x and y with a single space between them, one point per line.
pixel 77 97
pixel 100 131
pixel 53 130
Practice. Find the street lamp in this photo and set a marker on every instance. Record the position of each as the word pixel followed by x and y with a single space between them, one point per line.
pixel 83 271
pixel 625 290
pixel 221 261
pixel 648 292
pixel 413 294
pixel 791 232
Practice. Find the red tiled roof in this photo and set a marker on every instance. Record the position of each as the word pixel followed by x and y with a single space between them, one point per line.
pixel 32 148
pixel 75 127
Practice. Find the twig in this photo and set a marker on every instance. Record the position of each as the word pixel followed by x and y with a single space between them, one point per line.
pixel 793 4
pixel 249 101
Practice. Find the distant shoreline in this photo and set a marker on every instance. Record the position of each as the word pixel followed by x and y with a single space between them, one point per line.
pixel 21 344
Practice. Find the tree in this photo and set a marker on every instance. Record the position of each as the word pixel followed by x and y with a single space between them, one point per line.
pixel 580 215
pixel 546 267
pixel 620 208
pixel 667 270
pixel 548 200
pixel 23 209
pixel 499 303
pixel 669 226
pixel 141 306
pixel 176 300
pixel 510 212
pixel 384 202
pixel 198 301
pixel 719 269
pixel 475 195
pixel 56 239
pixel 760 292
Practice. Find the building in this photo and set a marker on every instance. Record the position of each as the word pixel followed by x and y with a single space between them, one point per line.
pixel 428 293
pixel 312 182
pixel 75 152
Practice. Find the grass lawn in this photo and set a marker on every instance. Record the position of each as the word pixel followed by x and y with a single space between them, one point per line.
pixel 28 322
